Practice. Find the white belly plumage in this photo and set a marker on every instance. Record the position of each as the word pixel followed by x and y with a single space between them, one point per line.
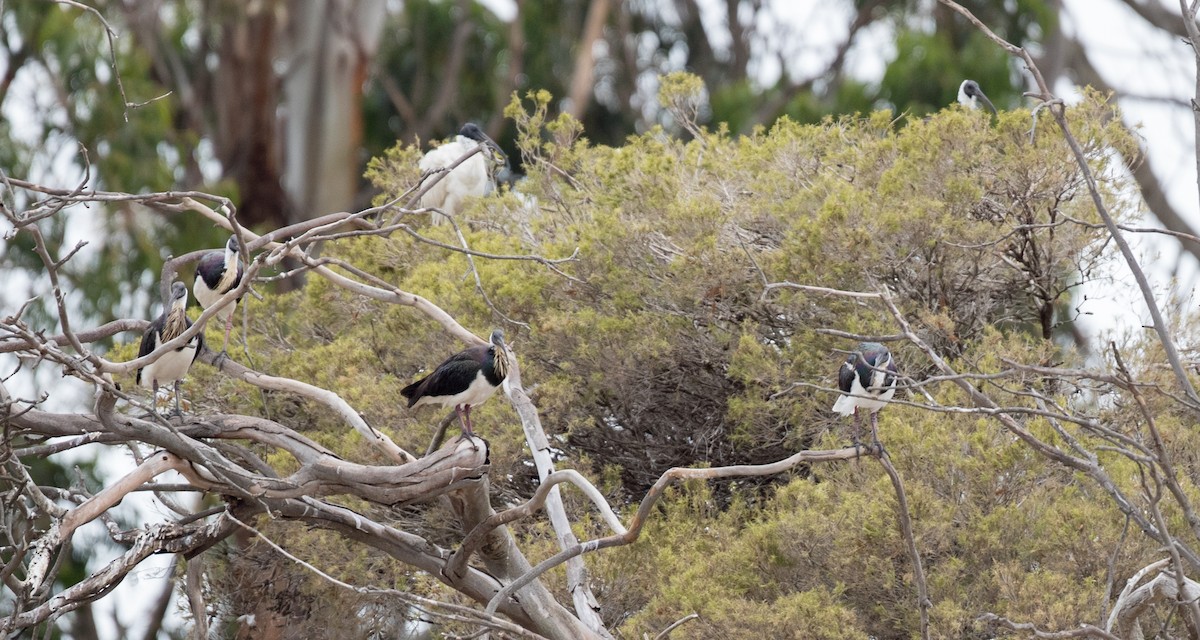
pixel 846 404
pixel 475 394
pixel 207 297
pixel 172 366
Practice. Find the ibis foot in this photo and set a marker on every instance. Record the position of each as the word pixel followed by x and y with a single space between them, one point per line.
pixel 470 437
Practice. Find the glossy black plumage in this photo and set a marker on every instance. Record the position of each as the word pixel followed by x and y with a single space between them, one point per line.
pixel 217 273
pixel 868 380
pixel 466 379
pixel 874 356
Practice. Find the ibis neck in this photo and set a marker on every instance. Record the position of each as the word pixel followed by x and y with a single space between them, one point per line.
pixel 500 361
pixel 229 277
pixel 176 321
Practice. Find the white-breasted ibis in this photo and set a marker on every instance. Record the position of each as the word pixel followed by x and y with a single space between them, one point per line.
pixel 475 177
pixel 216 274
pixel 868 380
pixel 466 379
pixel 173 366
pixel 970 96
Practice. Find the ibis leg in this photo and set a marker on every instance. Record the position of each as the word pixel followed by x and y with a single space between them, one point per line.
pixel 875 433
pixel 228 328
pixel 464 420
pixel 470 427
pixel 856 432
pixel 178 409
pixel 154 397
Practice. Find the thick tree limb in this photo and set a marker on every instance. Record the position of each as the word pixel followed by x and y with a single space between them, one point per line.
pixel 586 606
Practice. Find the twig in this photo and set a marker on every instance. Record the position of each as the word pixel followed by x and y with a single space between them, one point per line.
pixel 669 477
pixel 1084 631
pixel 662 635
pixel 905 521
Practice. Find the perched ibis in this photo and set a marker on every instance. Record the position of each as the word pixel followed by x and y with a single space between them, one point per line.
pixel 475 177
pixel 466 379
pixel 868 380
pixel 970 96
pixel 171 366
pixel 216 274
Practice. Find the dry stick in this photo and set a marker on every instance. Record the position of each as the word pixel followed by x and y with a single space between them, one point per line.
pixel 326 397
pixel 439 435
pixel 1193 33
pixel 668 478
pixel 1084 631
pixel 157 464
pixel 1058 111
pixel 105 330
pixel 1112 570
pixel 110 33
pixel 147 542
pixel 195 595
pixel 478 535
pixel 923 602
pixel 1168 473
pixel 675 625
pixel 586 607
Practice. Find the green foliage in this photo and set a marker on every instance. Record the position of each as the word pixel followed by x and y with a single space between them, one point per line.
pixel 656 347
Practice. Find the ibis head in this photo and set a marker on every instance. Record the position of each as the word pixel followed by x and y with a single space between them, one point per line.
pixel 178 294
pixel 970 95
pixel 472 131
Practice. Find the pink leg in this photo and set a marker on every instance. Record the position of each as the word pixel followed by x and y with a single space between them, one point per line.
pixel 228 328
pixel 462 419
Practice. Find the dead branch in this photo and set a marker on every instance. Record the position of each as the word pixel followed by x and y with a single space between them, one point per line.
pixel 586 606
pixel 1084 631
pixel 668 478
pixel 910 542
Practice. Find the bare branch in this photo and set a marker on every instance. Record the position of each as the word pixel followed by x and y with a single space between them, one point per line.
pixel 1084 631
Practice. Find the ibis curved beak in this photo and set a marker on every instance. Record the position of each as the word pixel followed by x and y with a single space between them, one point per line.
pixel 987 103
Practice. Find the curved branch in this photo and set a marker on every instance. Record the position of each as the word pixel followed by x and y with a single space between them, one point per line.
pixel 328 398
pixel 478 535
pixel 669 477
pixel 577 583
